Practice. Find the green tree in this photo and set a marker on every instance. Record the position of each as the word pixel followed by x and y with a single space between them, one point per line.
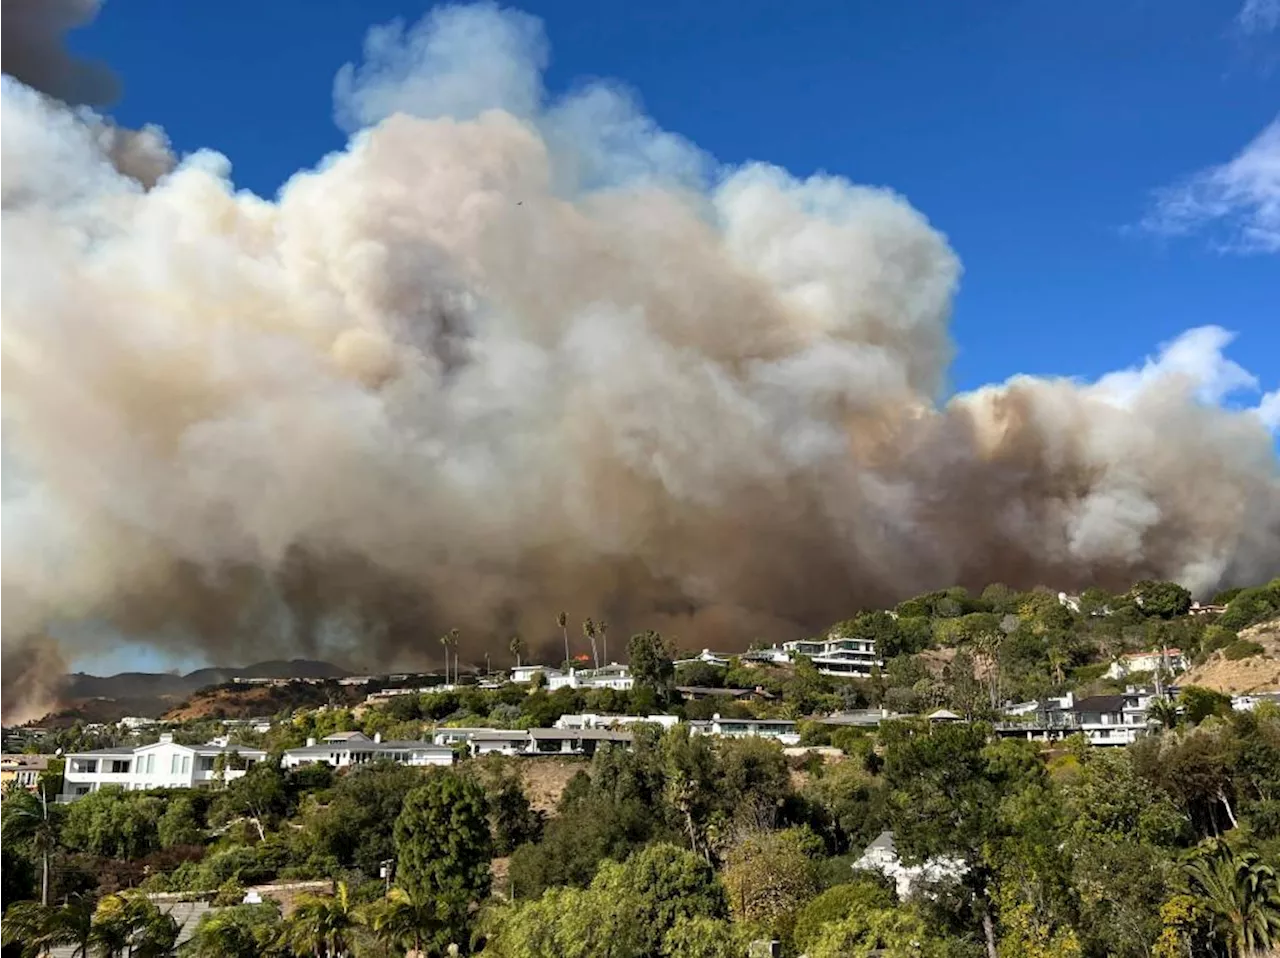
pixel 1163 599
pixel 565 923
pixel 689 773
pixel 512 820
pixel 839 901
pixel 1243 895
pixel 355 827
pixel 943 802
pixel 1163 711
pixel 630 910
pixel 259 796
pixel 1199 703
pixel 322 924
pixel 884 933
pixel 651 665
pixel 35 928
pixel 402 920
pixel 32 820
pixel 113 823
pixel 240 931
pixel 769 876
pixel 180 823
pixel 128 923
pixel 443 847
pixel 663 884
pixel 702 937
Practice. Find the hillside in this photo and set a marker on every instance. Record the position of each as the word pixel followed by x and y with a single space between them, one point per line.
pixel 96 698
pixel 1258 673
pixel 251 701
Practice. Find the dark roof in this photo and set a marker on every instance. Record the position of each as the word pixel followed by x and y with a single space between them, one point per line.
pixel 707 690
pixel 1101 703
pixel 99 752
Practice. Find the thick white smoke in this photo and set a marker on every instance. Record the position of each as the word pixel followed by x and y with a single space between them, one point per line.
pixel 505 356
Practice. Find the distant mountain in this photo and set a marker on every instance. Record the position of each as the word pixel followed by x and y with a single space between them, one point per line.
pixel 162 686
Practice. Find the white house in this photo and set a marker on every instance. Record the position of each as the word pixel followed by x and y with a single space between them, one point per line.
pixel 163 764
pixel 1206 609
pixel 779 730
pixel 882 856
pixel 525 673
pixel 835 655
pixel 708 657
pixel 613 676
pixel 1166 660
pixel 774 655
pixel 590 720
pixel 344 749
pixel 1249 702
pixel 535 741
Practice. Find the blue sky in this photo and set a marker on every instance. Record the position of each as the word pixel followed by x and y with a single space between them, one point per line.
pixel 1036 135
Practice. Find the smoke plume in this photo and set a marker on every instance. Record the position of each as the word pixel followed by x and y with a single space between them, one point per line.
pixel 31 679
pixel 32 51
pixel 507 355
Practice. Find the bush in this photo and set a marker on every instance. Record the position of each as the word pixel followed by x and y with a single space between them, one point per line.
pixel 839 902
pixel 1242 649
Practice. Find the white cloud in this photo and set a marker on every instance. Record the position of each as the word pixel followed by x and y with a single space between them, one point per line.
pixel 1238 201
pixel 1259 16
pixel 1195 362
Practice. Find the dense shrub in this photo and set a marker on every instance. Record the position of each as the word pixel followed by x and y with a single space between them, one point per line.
pixel 1242 649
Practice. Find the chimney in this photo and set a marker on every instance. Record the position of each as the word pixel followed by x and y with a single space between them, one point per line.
pixel 311 742
pixel 377 737
pixel 166 738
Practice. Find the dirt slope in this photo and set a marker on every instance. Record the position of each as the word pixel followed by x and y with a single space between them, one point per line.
pixel 1258 673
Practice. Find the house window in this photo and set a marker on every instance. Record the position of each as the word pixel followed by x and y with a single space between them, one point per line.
pixel 206 763
pixel 174 764
pixel 119 766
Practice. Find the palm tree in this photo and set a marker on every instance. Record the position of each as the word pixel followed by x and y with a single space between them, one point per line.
pixel 322 924
pixel 454 636
pixel 444 643
pixel 1163 710
pixel 589 630
pixel 38 928
pixel 241 931
pixel 562 620
pixel 129 923
pixel 603 628
pixel 1242 893
pixel 517 648
pixel 27 817
pixel 402 920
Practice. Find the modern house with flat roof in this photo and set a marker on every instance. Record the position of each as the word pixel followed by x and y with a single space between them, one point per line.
pixel 779 730
pixel 345 749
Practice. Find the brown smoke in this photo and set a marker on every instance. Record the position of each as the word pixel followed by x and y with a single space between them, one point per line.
pixel 32 675
pixel 504 357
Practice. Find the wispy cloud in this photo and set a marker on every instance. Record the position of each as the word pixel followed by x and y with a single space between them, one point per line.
pixel 1258 16
pixel 1237 203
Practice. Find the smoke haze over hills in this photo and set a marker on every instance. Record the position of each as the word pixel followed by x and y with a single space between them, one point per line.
pixel 507 355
